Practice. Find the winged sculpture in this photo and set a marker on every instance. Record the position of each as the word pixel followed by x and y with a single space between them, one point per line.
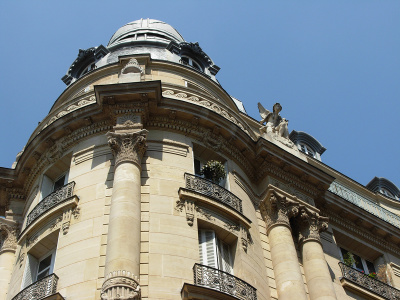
pixel 275 125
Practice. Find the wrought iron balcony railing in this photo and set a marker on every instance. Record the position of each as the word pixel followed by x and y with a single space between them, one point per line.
pixel 371 284
pixel 40 289
pixel 50 201
pixel 364 203
pixel 224 282
pixel 215 191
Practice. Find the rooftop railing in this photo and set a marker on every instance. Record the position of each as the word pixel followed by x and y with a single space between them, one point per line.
pixel 374 285
pixel 365 203
pixel 224 282
pixel 40 289
pixel 50 201
pixel 212 190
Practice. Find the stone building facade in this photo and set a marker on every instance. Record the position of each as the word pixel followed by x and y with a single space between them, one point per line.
pixel 107 199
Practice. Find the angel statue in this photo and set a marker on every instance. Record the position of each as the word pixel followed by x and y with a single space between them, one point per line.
pixel 276 126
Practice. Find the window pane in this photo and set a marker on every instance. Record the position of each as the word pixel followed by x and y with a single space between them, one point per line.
pixel 371 267
pixel 196 166
pixel 358 263
pixel 45 263
pixel 59 183
pixel 43 274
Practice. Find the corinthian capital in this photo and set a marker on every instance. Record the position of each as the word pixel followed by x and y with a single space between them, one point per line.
pixel 309 225
pixel 8 237
pixel 128 146
pixel 276 210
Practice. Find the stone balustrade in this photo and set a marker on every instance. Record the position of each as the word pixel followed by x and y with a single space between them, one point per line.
pixel 371 284
pixel 50 201
pixel 40 289
pixel 365 203
pixel 212 190
pixel 224 282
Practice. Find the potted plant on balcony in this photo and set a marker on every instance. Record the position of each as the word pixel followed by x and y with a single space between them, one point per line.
pixel 213 170
pixel 348 259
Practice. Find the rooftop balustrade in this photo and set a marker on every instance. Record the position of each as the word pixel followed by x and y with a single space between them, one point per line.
pixel 365 203
pixel 224 282
pixel 212 190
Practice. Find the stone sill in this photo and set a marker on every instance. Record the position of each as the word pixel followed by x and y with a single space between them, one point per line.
pixel 357 289
pixel 195 292
pixel 72 202
pixel 56 296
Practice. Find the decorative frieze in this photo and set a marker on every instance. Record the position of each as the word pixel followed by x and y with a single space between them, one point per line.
pixel 121 285
pixel 128 146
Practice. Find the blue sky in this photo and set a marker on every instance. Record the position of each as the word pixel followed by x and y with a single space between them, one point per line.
pixel 333 65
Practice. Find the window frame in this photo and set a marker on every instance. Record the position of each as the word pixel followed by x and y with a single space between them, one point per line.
pixel 365 269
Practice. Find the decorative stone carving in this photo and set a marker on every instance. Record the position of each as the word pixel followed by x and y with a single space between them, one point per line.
pixel 276 127
pixel 66 220
pixel 32 240
pixel 132 67
pixel 309 225
pixel 128 146
pixel 277 209
pixel 190 209
pixel 121 285
pixel 8 237
pixel 290 189
pixel 245 237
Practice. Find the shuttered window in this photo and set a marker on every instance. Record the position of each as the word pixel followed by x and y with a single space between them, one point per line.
pixel 36 269
pixel 214 252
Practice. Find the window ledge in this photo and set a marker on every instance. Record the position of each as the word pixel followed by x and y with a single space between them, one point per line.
pixel 355 288
pixel 69 203
pixel 191 291
pixel 56 296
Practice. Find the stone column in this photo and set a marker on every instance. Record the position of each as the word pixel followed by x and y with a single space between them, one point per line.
pixel 128 145
pixel 319 281
pixel 276 210
pixel 8 245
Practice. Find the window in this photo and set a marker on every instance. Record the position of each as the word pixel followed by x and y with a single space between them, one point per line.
pixel 190 62
pixel 199 163
pixel 37 269
pixel 214 252
pixel 49 185
pixel 357 262
pixel 307 150
pixel 387 193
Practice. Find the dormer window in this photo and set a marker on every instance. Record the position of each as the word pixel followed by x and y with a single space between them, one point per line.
pixel 190 62
pixel 307 150
pixel 386 193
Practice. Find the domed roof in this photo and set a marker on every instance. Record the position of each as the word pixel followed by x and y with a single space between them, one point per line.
pixel 144 31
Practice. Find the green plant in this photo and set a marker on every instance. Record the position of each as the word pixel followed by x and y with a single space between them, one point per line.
pixel 372 275
pixel 348 259
pixel 213 170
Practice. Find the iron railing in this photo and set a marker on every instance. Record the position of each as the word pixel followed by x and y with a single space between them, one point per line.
pixel 374 285
pixel 40 289
pixel 224 282
pixel 365 203
pixel 50 201
pixel 215 191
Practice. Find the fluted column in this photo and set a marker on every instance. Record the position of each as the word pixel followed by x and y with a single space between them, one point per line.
pixel 8 245
pixel 276 210
pixel 123 240
pixel 319 281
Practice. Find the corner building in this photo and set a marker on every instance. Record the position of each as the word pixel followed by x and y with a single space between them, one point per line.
pixel 106 200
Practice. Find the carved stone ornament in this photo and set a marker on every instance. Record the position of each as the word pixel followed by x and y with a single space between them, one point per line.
pixel 276 210
pixel 190 209
pixel 309 225
pixel 132 67
pixel 8 237
pixel 276 127
pixel 121 285
pixel 128 146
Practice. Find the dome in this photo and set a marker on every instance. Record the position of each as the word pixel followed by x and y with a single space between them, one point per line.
pixel 144 31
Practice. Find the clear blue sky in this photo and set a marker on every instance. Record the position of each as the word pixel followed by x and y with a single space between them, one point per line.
pixel 333 65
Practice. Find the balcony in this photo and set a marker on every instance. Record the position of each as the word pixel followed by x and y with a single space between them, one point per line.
pixel 368 284
pixel 222 282
pixel 51 201
pixel 41 289
pixel 212 190
pixel 364 203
